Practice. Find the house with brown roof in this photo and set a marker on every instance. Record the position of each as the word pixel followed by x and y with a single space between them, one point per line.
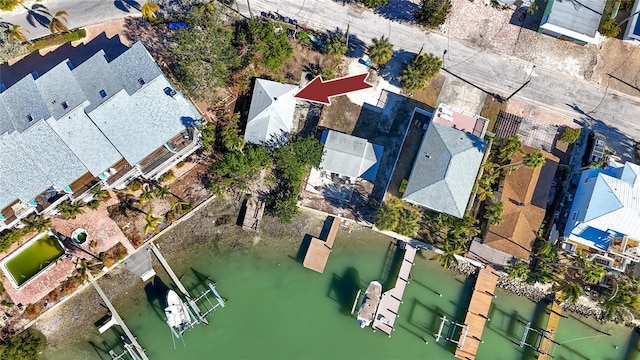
pixel 525 195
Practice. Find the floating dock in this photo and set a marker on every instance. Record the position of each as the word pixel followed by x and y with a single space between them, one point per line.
pixel 552 327
pixel 391 299
pixel 134 343
pixel 319 250
pixel 477 314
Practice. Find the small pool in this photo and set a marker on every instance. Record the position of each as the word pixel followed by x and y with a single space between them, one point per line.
pixel 32 259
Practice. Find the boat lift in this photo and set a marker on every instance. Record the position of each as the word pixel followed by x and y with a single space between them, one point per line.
pixel 129 352
pixel 452 327
pixel 544 334
pixel 195 314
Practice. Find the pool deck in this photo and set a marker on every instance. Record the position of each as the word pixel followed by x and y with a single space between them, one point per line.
pixel 552 327
pixel 477 313
pixel 319 250
pixel 391 299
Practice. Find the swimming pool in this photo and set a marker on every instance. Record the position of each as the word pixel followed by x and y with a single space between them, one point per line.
pixel 32 259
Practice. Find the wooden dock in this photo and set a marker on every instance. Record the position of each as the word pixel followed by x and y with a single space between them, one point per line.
pixel 139 263
pixel 118 319
pixel 319 250
pixel 550 332
pixel 391 299
pixel 254 210
pixel 176 280
pixel 477 314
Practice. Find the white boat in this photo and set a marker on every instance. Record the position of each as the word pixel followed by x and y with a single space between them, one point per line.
pixel 177 315
pixel 370 303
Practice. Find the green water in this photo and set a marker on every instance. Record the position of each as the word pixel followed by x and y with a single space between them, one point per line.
pixel 279 310
pixel 33 258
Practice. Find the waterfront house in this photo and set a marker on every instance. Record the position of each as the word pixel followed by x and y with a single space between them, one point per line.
pixel 103 121
pixel 604 220
pixel 525 196
pixel 349 156
pixel 445 168
pixel 573 21
pixel 271 113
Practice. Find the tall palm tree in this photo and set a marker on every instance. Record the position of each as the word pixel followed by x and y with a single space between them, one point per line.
pixel 548 251
pixel 151 222
pixel 127 205
pixel 162 192
pixel 448 257
pixel 493 213
pixel 593 274
pixel 69 210
pixel 16 33
pixel 99 193
pixel 33 223
pixel 381 51
pixel 146 194
pixel 534 159
pixel 58 22
pixel 148 9
pixel 181 206
pixel 511 145
pixel 570 291
pixel 519 270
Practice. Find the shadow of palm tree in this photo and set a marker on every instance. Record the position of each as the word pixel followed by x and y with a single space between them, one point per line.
pixel 38 14
pixel 126 5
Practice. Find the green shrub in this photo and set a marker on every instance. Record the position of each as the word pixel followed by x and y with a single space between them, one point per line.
pixel 57 39
pixel 569 135
pixel 8 5
pixel 374 3
pixel 22 346
pixel 433 13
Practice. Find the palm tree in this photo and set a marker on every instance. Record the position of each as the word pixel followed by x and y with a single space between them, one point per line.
pixel 593 274
pixel 33 223
pixel 16 32
pixel 570 291
pixel 534 159
pixel 99 193
pixel 412 78
pixel 151 222
pixel 148 9
pixel 448 257
pixel 127 205
pixel 337 44
pixel 181 206
pixel 162 192
pixel 511 145
pixel 381 51
pixel 146 194
pixel 69 210
pixel 519 270
pixel 493 213
pixel 548 252
pixel 207 136
pixel 57 24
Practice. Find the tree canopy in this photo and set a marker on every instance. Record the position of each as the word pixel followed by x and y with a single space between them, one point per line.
pixel 569 135
pixel 337 43
pixel 381 51
pixel 269 48
pixel 423 68
pixel 374 3
pixel 22 346
pixel 432 13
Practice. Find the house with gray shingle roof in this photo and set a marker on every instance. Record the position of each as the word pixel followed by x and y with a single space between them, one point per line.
pixel 271 113
pixel 445 170
pixel 350 156
pixel 100 122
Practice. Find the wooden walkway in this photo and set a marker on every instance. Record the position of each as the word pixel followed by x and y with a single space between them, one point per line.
pixel 139 263
pixel 477 313
pixel 391 299
pixel 319 250
pixel 254 210
pixel 552 327
pixel 117 318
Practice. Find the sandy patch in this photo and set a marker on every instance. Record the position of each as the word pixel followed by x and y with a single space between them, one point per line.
pixel 370 95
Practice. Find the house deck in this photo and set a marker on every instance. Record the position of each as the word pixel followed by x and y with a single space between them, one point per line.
pixel 477 313
pixel 319 250
pixel 253 215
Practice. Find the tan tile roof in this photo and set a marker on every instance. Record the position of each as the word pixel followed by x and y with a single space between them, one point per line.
pixel 524 197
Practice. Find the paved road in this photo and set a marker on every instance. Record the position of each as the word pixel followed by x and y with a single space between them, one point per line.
pixel 493 72
pixel 81 13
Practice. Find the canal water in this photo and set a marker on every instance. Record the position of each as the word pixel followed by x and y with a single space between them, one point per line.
pixel 279 310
